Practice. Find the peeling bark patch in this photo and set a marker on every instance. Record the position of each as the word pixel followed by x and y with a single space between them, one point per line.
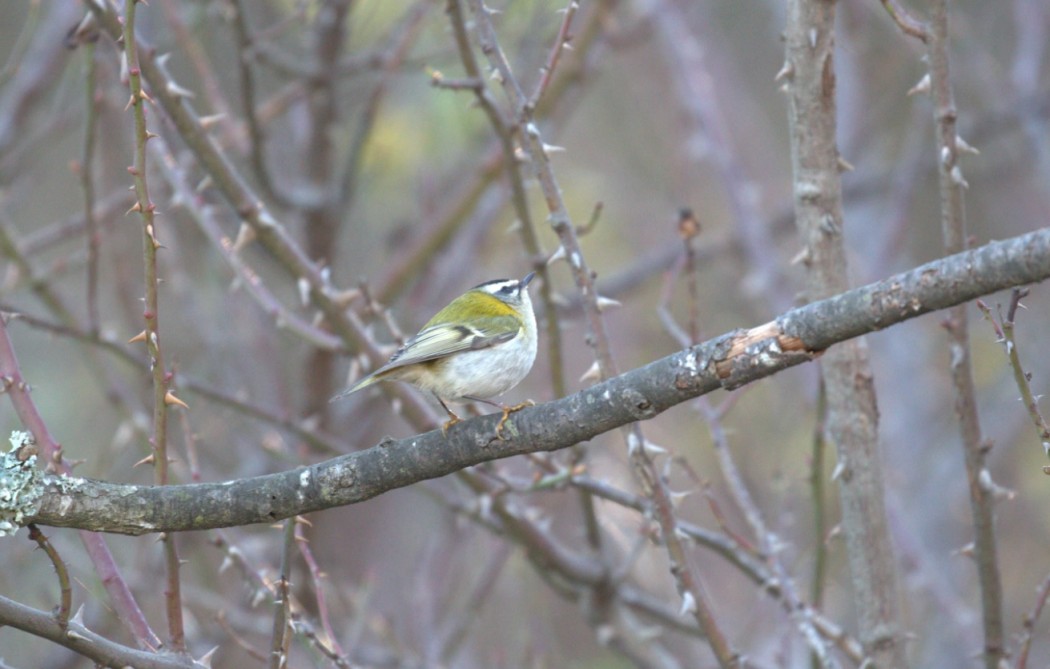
pixel 827 78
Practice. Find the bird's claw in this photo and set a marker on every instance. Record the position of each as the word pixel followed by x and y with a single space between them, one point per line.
pixel 452 420
pixel 507 411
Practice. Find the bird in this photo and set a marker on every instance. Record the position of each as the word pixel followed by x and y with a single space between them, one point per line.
pixel 482 344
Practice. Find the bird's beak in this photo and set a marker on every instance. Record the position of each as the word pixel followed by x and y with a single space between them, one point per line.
pixel 525 282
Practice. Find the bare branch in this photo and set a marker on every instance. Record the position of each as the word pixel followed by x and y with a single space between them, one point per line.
pixel 729 361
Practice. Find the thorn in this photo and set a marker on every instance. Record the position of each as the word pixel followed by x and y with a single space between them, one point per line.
pixel 178 91
pixel 653 449
pixel 344 298
pixel 677 497
pixel 845 165
pixel 839 470
pixel 556 256
pixel 148 460
pixel 962 146
pixel 922 87
pixel 152 236
pixel 958 179
pixel 997 491
pixel 264 219
pixel 140 337
pixel 633 444
pixel 210 121
pixel 594 373
pixel 688 604
pixel 965 551
pixel 135 208
pixel 170 399
pixel 245 236
pixel 207 657
pixel 786 72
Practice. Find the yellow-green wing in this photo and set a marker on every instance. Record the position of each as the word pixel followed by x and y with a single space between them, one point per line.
pixel 438 341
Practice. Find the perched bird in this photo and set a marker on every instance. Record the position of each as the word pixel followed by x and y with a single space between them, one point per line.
pixel 479 346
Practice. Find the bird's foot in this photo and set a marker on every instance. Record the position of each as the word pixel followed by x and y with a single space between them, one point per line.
pixel 452 420
pixel 507 411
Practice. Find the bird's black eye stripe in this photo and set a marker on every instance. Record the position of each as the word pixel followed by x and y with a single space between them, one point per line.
pixel 508 289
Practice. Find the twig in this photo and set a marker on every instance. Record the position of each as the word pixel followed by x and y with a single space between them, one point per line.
pixel 768 543
pixel 953 230
pixel 402 40
pixel 561 43
pixel 1027 634
pixel 151 315
pixel 246 75
pixel 819 501
pixel 909 24
pixel 21 44
pixel 1005 334
pixel 83 641
pixel 317 577
pixel 87 183
pixel 65 605
pixel 455 627
pixel 280 635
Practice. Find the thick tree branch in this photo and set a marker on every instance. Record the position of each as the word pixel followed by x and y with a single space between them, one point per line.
pixel 852 420
pixel 728 361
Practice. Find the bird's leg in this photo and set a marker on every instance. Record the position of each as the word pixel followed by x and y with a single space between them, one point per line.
pixel 507 410
pixel 452 417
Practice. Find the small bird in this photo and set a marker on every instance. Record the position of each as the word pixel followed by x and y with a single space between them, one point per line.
pixel 479 346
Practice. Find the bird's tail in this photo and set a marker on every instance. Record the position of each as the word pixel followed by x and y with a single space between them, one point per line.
pixel 363 383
